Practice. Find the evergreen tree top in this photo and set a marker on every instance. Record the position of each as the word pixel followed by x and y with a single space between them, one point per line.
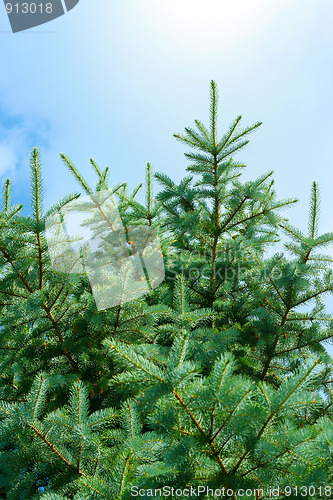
pixel 218 377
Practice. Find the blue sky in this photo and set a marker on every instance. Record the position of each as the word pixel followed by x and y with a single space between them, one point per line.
pixel 115 79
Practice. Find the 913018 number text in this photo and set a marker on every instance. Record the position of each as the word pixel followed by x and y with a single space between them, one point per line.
pixel 29 8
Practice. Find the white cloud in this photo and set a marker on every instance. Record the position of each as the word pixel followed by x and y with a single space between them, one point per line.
pixel 8 159
pixel 19 133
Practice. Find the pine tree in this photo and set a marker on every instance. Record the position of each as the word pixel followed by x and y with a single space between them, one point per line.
pixel 216 378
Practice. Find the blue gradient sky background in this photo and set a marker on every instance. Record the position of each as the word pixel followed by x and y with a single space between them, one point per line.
pixel 115 79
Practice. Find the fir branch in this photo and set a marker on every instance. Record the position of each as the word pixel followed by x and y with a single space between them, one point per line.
pixel 6 199
pixel 76 173
pixel 149 193
pixel 96 167
pixel 314 211
pixel 44 306
pixel 227 136
pixel 136 360
pixel 213 111
pixel 37 185
pixel 124 471
pixel 231 413
pixel 214 451
pixel 273 412
pixel 55 450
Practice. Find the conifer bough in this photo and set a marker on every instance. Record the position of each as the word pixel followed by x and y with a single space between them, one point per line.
pixel 219 377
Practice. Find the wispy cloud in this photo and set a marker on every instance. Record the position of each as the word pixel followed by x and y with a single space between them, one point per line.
pixel 19 133
pixel 7 159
